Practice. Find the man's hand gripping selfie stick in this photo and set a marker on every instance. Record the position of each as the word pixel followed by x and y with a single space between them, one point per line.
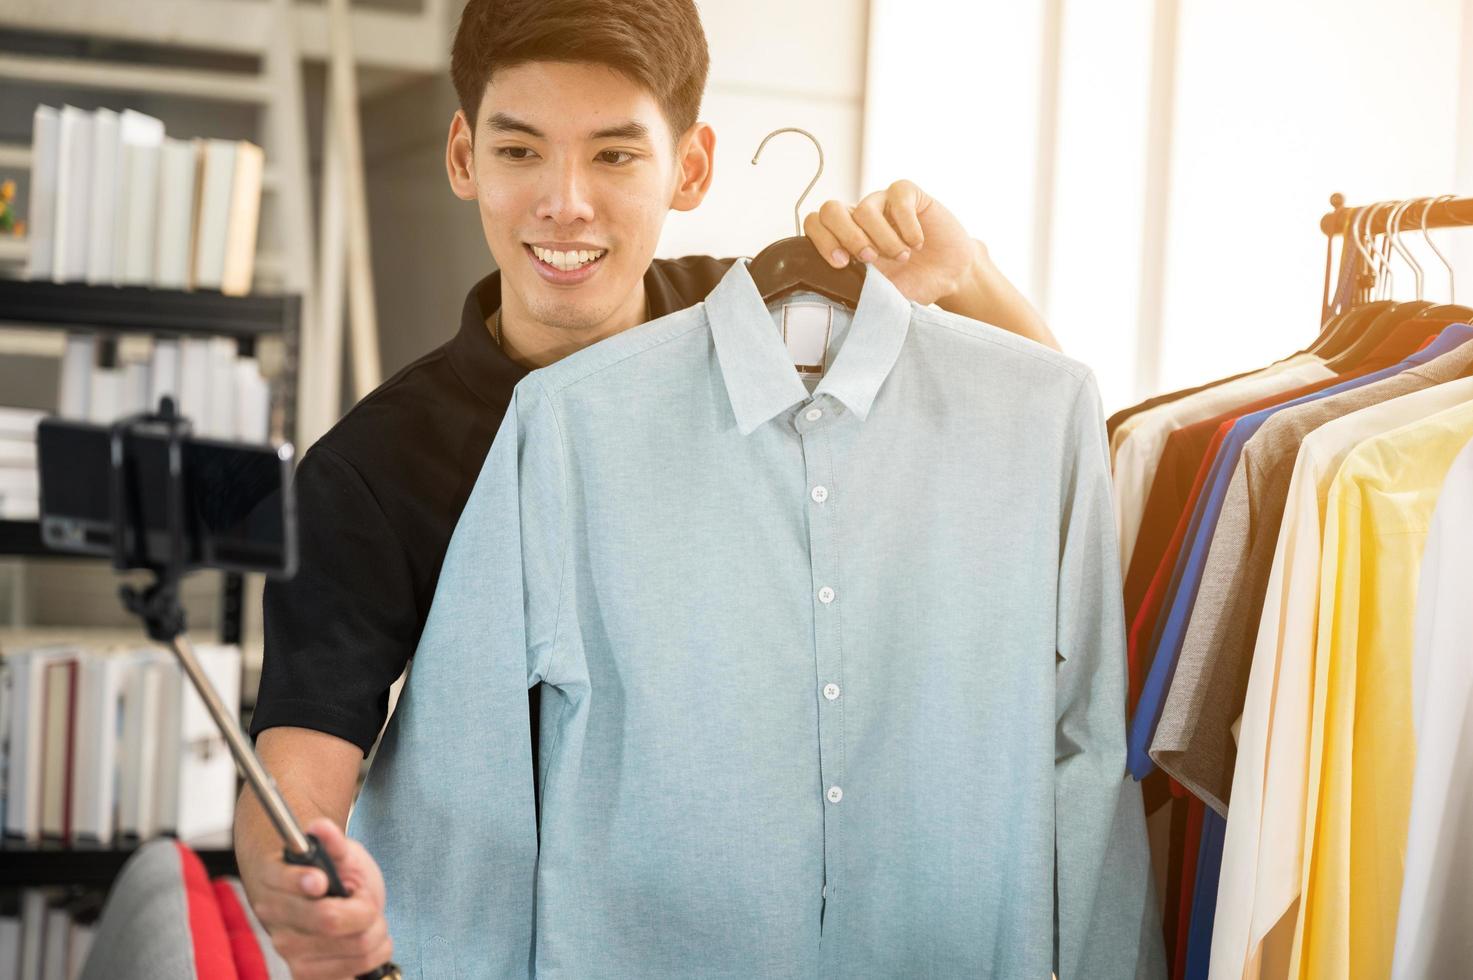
pixel 158 606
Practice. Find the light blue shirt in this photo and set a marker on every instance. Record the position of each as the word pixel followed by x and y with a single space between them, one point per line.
pixel 834 683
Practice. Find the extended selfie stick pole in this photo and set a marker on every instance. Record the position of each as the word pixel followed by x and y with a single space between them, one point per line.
pixel 158 606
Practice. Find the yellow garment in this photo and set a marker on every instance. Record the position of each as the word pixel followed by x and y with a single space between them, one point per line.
pixel 1362 746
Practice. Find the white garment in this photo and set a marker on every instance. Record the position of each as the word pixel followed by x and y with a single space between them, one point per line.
pixel 1434 932
pixel 1263 849
pixel 1140 451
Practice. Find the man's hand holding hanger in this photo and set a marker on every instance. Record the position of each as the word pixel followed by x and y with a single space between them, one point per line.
pixel 923 249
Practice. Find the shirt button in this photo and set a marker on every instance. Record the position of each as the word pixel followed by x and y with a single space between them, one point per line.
pixel 831 691
pixel 813 414
pixel 820 494
pixel 825 595
pixel 835 794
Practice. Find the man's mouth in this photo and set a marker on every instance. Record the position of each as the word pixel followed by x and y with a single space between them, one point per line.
pixel 572 260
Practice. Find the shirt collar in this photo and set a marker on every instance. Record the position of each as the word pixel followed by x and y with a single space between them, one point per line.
pixel 755 364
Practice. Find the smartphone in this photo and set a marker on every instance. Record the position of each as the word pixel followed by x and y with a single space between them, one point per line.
pixel 237 512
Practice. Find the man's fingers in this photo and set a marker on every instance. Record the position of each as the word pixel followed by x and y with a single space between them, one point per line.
pixel 828 246
pixel 870 215
pixel 902 206
pixel 841 224
pixel 318 917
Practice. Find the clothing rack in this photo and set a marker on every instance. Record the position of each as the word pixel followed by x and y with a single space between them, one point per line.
pixel 1445 211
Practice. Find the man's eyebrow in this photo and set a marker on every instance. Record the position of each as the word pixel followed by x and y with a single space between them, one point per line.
pixel 500 122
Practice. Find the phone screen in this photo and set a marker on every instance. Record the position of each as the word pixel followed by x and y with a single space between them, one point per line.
pixel 237 506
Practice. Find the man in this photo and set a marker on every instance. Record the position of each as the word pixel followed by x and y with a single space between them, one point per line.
pixel 577 134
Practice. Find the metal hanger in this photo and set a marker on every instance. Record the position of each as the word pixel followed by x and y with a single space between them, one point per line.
pixel 792 265
pixel 1452 309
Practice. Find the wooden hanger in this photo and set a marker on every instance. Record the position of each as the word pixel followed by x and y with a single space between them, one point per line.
pixel 793 265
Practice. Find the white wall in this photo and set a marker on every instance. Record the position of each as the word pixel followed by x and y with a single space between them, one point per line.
pixel 809 72
pixel 1152 172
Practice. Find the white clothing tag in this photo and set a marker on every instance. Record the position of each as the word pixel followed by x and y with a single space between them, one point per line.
pixel 806 329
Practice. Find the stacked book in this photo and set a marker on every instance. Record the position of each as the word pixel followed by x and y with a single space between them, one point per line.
pixel 220 391
pixel 99 745
pixel 18 486
pixel 114 201
pixel 45 934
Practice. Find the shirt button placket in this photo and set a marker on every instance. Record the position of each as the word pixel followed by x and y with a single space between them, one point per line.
pixel 814 427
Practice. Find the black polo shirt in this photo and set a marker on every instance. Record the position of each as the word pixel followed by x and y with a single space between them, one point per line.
pixel 378 497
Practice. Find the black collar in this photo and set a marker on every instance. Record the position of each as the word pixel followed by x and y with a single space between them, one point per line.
pixel 486 370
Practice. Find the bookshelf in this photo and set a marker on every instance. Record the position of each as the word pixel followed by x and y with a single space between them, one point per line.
pixel 52 863
pixel 109 312
pixel 113 310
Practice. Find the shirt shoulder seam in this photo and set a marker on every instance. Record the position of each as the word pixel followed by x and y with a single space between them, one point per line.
pixel 1055 359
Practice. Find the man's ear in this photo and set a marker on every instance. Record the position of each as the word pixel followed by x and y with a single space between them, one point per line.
pixel 460 164
pixel 695 162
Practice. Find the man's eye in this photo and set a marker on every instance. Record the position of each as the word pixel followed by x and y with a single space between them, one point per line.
pixel 511 152
pixel 617 153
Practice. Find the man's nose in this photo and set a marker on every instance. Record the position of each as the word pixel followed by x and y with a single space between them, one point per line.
pixel 566 199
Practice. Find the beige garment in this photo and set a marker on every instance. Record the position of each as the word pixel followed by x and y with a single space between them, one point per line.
pixel 1263 850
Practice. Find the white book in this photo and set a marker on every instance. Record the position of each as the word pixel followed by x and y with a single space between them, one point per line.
pixel 138 215
pixel 106 178
pixel 20 508
pixel 102 698
pixel 19 423
pixel 57 750
pixel 81 946
pixel 245 212
pixel 216 184
pixel 177 193
pixel 23 778
pixel 32 932
pixel 41 222
pixel 135 214
pixel 135 387
pixel 252 402
pixel 105 405
pixel 58 939
pixel 6 681
pixel 194 381
pixel 73 195
pixel 163 373
pixel 166 746
pixel 221 419
pixel 10 945
pixel 138 775
pixel 77 363
pixel 205 810
pixel 19 455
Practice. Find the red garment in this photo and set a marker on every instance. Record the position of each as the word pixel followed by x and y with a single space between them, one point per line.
pixel 1195 812
pixel 1144 624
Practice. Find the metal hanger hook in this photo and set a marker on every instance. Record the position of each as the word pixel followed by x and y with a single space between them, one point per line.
pixel 1452 291
pixel 1394 224
pixel 797 225
pixel 1372 266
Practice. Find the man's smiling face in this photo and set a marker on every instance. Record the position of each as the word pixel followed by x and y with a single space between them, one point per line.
pixel 574 169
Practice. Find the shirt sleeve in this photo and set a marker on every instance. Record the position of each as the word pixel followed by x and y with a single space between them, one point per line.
pixel 339 632
pixel 1107 920
pixel 448 809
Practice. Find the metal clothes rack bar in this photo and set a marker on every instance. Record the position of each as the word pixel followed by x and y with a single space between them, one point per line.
pixel 1452 213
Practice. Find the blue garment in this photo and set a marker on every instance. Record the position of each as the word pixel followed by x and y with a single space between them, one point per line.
pixel 1204 895
pixel 833 683
pixel 1192 559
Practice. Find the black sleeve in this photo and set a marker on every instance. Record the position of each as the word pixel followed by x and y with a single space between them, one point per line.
pixel 339 632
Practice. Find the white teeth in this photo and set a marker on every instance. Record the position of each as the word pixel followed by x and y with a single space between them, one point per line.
pixel 567 261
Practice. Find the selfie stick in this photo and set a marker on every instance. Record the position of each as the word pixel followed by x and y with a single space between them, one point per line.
pixel 158 606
